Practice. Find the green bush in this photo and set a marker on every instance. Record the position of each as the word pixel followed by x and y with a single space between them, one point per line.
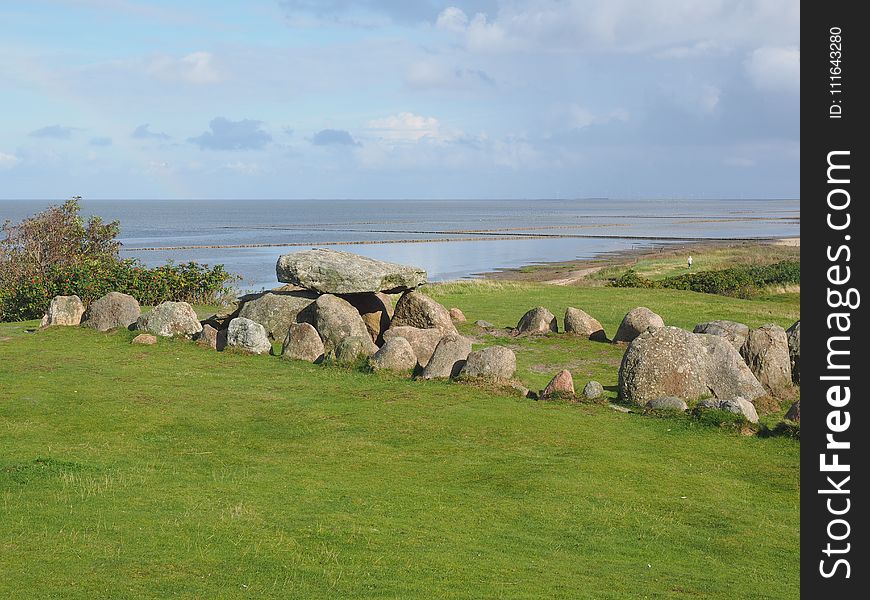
pixel 56 253
pixel 740 282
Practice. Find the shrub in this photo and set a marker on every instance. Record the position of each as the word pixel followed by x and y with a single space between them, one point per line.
pixel 56 254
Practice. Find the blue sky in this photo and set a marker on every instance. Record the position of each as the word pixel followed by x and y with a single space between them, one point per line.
pixel 399 99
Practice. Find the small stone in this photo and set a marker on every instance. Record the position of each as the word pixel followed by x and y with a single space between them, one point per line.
pixel 484 324
pixel 740 406
pixel 667 403
pixel 145 339
pixel 457 315
pixel 216 339
pixel 593 390
pixel 560 387
pixel 794 413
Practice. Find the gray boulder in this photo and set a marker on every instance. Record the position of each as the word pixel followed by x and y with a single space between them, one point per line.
pixel 740 406
pixel 63 310
pixel 793 334
pixel 395 355
pixel 538 320
pixel 351 350
pixel 593 390
pixel 635 322
pixel 560 387
pixel 336 319
pixel 276 310
pixel 669 361
pixel 667 403
pixel 248 336
pixel 581 323
pixel 423 341
pixel 415 309
pixel 170 319
pixel 735 333
pixel 494 362
pixel 376 311
pixel 302 342
pixel 334 272
pixel 111 311
pixel 767 353
pixel 449 357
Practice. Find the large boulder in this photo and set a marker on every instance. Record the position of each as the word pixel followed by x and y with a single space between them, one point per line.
pixel 735 333
pixel 63 310
pixel 302 342
pixel 334 272
pixel 793 334
pixel 395 355
pixel 248 336
pixel 669 361
pixel 581 323
pixel 727 375
pixel 276 310
pixel 351 350
pixel 636 322
pixel 536 321
pixel 415 309
pixel 561 387
pixel 376 310
pixel 767 354
pixel 449 357
pixel 111 311
pixel 423 341
pixel 336 319
pixel 169 319
pixel 494 362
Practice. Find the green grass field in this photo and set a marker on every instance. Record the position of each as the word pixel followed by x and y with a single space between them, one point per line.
pixel 174 471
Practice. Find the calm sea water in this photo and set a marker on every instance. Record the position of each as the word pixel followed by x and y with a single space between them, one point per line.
pixel 483 235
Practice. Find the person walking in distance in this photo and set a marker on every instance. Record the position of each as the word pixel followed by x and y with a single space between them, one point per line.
pixel 690 261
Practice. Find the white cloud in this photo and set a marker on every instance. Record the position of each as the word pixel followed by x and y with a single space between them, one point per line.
pixel 452 19
pixel 7 161
pixel 408 127
pixel 429 74
pixel 775 68
pixel 578 117
pixel 197 68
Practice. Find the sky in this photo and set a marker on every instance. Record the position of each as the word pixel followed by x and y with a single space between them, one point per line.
pixel 116 99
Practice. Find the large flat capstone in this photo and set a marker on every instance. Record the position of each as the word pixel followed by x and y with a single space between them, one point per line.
pixel 334 272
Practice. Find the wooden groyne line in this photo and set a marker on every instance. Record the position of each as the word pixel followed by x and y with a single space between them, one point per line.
pixel 445 240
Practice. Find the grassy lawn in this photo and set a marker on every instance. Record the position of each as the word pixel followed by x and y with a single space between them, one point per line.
pixel 174 471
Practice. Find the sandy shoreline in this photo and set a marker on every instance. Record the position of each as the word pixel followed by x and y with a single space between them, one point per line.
pixel 573 272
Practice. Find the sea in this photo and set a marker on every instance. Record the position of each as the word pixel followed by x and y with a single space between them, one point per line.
pixel 451 239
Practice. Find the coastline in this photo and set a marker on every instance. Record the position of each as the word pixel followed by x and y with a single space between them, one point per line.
pixel 575 272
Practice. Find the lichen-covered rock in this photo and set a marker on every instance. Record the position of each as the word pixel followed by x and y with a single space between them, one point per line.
pixel 376 310
pixel 635 322
pixel 423 341
pixel 484 324
pixel 740 406
pixel 735 333
pixel 336 319
pixel 415 309
pixel 457 315
pixel 793 334
pixel 580 323
pixel 767 354
pixel 395 355
pixel 538 320
pixel 669 361
pixel 144 339
pixel 64 311
pixel 352 350
pixel 494 362
pixel 276 310
pixel 216 339
pixel 302 342
pixel 111 311
pixel 169 319
pixel 334 272
pixel 561 387
pixel 667 403
pixel 449 357
pixel 248 336
pixel 593 390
